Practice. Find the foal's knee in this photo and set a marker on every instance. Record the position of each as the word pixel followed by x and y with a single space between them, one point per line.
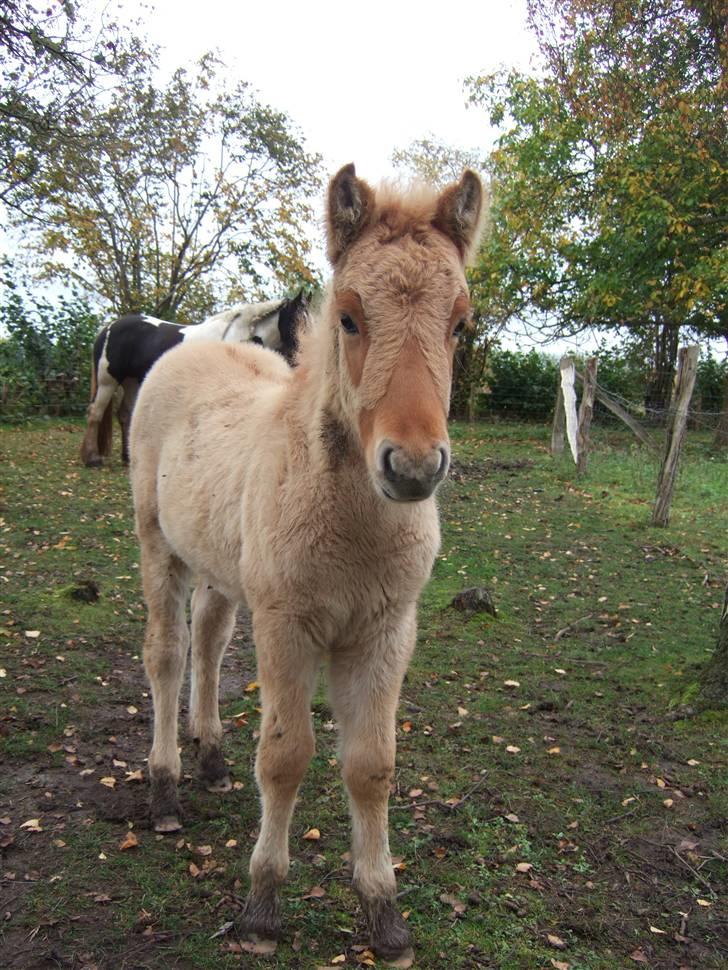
pixel 283 756
pixel 368 772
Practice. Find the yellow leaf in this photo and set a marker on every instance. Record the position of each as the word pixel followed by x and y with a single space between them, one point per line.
pixel 108 782
pixel 313 835
pixel 253 685
pixel 130 842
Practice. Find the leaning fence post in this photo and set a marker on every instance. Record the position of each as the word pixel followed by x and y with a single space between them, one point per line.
pixel 687 367
pixel 557 428
pixel 586 409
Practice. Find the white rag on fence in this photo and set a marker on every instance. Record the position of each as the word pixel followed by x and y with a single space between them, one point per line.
pixel 568 376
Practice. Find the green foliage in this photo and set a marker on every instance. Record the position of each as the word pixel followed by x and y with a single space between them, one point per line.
pixel 45 357
pixel 610 201
pixel 521 384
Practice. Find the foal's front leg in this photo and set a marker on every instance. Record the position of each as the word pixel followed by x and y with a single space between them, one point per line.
pixel 365 681
pixel 287 665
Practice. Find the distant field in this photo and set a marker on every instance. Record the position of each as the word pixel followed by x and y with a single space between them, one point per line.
pixel 549 809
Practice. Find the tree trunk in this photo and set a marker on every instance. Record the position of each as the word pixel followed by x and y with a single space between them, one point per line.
pixel 659 388
pixel 713 691
pixel 721 432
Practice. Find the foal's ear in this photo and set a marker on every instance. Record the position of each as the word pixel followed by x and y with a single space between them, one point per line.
pixel 350 204
pixel 459 213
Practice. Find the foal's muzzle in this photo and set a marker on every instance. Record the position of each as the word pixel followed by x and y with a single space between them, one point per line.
pixel 406 477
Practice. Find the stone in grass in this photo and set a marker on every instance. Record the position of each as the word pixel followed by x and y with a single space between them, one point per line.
pixel 477 599
pixel 86 592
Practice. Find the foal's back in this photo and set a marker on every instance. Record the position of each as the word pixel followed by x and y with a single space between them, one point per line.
pixel 198 426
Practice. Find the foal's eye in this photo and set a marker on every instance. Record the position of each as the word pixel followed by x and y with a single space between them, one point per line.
pixel 460 326
pixel 348 325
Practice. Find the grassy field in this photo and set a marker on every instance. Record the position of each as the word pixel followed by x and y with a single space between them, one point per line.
pixel 550 810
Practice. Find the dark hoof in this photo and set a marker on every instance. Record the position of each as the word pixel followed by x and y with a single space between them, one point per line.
pixel 261 917
pixel 213 770
pixel 93 462
pixel 164 807
pixel 390 935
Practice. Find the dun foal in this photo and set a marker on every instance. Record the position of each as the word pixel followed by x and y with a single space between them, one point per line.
pixel 308 494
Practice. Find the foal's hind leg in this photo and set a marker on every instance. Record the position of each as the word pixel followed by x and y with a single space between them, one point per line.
pixel 287 665
pixel 213 619
pixel 165 579
pixel 365 681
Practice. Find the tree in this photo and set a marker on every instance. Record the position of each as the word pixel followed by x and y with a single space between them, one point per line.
pixel 51 64
pixel 610 201
pixel 172 197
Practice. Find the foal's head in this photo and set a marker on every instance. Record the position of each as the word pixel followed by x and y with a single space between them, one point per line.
pixel 399 302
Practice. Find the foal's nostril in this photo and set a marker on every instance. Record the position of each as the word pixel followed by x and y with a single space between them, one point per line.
pixel 444 461
pixel 386 459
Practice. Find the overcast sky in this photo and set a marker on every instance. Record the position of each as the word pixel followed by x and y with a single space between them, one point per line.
pixel 359 79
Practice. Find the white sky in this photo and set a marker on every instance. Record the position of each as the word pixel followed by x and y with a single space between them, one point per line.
pixel 359 79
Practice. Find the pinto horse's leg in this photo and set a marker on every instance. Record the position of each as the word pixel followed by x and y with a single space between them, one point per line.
pixel 103 399
pixel 287 666
pixel 131 389
pixel 213 619
pixel 165 580
pixel 364 682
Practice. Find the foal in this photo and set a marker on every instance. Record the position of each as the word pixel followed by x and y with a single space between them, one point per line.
pixel 309 494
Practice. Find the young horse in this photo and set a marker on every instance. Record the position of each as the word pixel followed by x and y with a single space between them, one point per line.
pixel 308 493
pixel 125 350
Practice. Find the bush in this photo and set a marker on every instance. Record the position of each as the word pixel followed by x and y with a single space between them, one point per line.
pixel 45 354
pixel 520 385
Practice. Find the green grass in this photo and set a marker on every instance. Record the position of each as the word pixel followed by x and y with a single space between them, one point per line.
pixel 603 622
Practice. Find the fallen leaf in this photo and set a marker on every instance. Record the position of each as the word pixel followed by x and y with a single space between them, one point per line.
pixel 407 726
pixel 414 792
pixel 511 683
pixel 313 835
pixel 638 956
pixel 524 867
pixel 555 941
pixel 130 842
pixel 253 685
pixel 109 782
pixel 511 817
pixel 194 870
pixel 559 964
pixel 512 749
pixel 231 843
pixel 315 892
pixel 137 775
pixel 132 710
pixel 33 634
pixel 703 902
pixel 32 825
pixel 341 958
pixel 555 750
pixel 692 762
pixel 655 929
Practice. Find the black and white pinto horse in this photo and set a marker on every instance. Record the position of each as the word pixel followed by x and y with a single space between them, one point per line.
pixel 125 351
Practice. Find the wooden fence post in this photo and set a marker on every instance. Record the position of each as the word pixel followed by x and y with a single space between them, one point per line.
pixel 586 409
pixel 557 428
pixel 685 382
